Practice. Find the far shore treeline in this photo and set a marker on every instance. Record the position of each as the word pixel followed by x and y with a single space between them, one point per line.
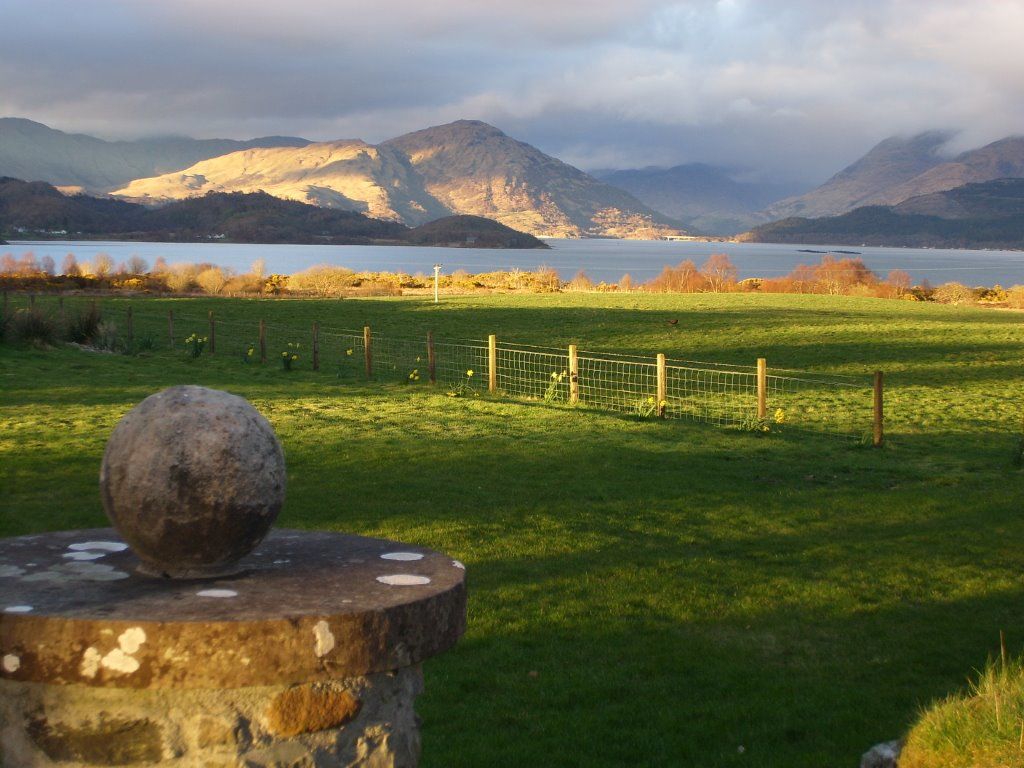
pixel 831 276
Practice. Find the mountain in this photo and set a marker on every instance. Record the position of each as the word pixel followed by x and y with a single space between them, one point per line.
pixel 984 215
pixel 348 175
pixel 30 150
pixel 893 162
pixel 998 160
pixel 38 208
pixel 472 167
pixel 705 197
pixel 466 167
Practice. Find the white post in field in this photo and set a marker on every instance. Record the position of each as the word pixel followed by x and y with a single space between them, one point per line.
pixel 437 273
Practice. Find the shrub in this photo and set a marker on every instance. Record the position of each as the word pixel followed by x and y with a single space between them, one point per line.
pixel 322 280
pixel 30 326
pixel 82 327
pixel 953 293
pixel 1015 297
pixel 212 280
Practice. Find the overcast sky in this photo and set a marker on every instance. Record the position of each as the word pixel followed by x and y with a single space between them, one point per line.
pixel 795 89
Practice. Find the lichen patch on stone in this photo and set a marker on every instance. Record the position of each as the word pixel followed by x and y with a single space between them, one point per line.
pixel 90 662
pixel 102 546
pixel 119 661
pixel 458 565
pixel 11 663
pixel 18 609
pixel 84 555
pixel 222 593
pixel 132 639
pixel 403 580
pixel 403 556
pixel 323 639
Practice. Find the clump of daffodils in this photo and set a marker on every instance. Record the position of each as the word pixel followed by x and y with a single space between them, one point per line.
pixel 414 376
pixel 290 356
pixel 195 344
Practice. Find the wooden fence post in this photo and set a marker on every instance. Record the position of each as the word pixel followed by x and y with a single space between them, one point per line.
pixel 170 327
pixel 492 363
pixel 263 341
pixel 316 346
pixel 213 334
pixel 368 351
pixel 574 375
pixel 878 436
pixel 662 386
pixel 762 388
pixel 131 328
pixel 431 358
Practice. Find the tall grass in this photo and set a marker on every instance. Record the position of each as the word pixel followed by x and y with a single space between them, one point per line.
pixel 980 727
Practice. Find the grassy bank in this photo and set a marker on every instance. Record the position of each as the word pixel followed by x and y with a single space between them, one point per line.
pixel 641 592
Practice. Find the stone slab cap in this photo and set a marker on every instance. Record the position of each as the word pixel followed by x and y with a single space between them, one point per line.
pixel 307 606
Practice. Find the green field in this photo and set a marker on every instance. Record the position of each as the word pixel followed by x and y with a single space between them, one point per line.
pixel 641 592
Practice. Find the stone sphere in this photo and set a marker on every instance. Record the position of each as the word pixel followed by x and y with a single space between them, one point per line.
pixel 192 478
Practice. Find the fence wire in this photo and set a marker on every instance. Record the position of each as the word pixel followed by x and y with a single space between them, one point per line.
pixel 713 393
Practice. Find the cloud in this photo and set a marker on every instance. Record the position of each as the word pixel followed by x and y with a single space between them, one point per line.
pixel 795 88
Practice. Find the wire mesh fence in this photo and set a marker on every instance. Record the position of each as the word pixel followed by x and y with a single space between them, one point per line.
pixel 707 392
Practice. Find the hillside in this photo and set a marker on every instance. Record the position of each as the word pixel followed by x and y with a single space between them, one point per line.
pixel 890 163
pixel 465 167
pixel 347 175
pixel 984 215
pixel 33 151
pixel 704 197
pixel 38 209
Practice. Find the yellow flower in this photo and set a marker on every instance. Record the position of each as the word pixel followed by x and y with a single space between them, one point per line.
pixel 780 416
pixel 663 403
pixel 249 353
pixel 412 376
pixel 650 400
pixel 469 372
pixel 554 375
pixel 284 354
pixel 416 377
pixel 417 359
pixel 348 352
pixel 295 357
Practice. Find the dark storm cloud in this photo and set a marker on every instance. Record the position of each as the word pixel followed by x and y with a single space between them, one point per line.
pixel 795 88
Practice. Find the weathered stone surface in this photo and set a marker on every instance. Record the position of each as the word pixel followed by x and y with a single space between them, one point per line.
pixel 113 741
pixel 81 727
pixel 310 606
pixel 309 708
pixel 884 755
pixel 192 478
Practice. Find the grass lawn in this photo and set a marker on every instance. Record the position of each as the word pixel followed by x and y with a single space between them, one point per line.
pixel 641 592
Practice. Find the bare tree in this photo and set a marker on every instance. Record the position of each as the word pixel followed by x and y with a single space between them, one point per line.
pixel 102 265
pixel 137 265
pixel 70 266
pixel 719 272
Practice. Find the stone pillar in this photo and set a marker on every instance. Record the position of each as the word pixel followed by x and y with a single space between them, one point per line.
pixel 309 657
pixel 191 637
